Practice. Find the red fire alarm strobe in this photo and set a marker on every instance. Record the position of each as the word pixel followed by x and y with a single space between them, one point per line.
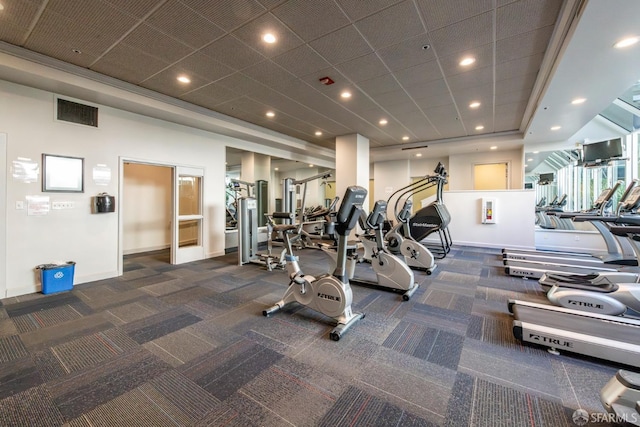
pixel 326 81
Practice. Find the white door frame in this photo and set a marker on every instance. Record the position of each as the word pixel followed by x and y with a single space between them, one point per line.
pixel 180 255
pixel 122 161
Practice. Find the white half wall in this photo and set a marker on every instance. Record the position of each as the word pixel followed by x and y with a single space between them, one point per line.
pixel 514 212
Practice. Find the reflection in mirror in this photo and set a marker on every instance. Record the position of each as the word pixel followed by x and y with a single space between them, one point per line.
pixel 562 182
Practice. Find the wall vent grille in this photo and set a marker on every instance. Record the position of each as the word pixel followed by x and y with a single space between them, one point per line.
pixel 74 112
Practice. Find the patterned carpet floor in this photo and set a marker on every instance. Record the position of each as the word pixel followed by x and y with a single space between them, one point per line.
pixel 187 345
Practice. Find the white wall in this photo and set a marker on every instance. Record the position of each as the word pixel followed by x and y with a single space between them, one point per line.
pixel 514 212
pixel 461 167
pixel 146 208
pixel 3 212
pixel 91 240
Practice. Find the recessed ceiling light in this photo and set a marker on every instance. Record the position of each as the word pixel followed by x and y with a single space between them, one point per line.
pixel 1 6
pixel 493 147
pixel 270 114
pixel 467 61
pixel 474 104
pixel 419 155
pixel 535 152
pixel 555 127
pixel 276 169
pixel 318 133
pixel 383 122
pixel 310 166
pixel 405 138
pixel 345 94
pixel 578 101
pixel 529 160
pixel 184 79
pixel 269 38
pixel 629 41
pixel 76 51
pixel 479 127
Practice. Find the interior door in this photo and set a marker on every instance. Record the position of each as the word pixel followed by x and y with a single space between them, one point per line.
pixel 491 176
pixel 187 233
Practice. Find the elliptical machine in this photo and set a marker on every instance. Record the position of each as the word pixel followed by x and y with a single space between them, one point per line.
pixel 391 272
pixel 329 294
pixel 405 238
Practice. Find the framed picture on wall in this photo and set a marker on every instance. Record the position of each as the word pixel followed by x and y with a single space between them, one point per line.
pixel 62 174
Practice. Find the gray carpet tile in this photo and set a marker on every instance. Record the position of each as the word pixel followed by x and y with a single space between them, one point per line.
pixel 32 407
pixel 82 391
pixel 358 408
pixel 157 325
pixel 188 345
pixel 18 375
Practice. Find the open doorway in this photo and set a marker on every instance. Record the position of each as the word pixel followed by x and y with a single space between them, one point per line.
pixel 491 176
pixel 146 206
pixel 161 210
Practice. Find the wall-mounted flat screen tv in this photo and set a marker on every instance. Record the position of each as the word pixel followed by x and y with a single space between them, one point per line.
pixel 603 150
pixel 546 178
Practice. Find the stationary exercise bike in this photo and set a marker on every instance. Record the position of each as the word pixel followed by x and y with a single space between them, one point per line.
pixel 392 273
pixel 329 294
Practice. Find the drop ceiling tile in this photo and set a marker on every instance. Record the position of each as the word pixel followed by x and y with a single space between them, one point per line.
pixel 523 44
pixel 482 94
pixel 129 64
pixel 363 68
pixel 524 16
pixel 183 24
pixel 407 53
pixel 379 85
pixel 378 31
pixel 434 89
pixel 512 97
pixel 464 35
pixel 473 78
pixel 518 83
pixel 399 110
pixel 440 13
pixel 251 34
pixel 15 20
pixel 138 8
pixel 358 9
pixel 389 99
pixel 518 67
pixel 240 83
pixel 270 4
pixel 204 66
pixel 301 61
pixel 228 15
pixel 233 53
pixel 92 30
pixel 419 74
pixel 341 45
pixel 154 43
pixel 269 74
pixel 311 19
pixel 165 82
pixel 483 55
pixel 210 96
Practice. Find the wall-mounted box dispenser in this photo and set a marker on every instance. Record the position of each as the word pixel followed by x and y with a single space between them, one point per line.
pixel 104 203
pixel 488 211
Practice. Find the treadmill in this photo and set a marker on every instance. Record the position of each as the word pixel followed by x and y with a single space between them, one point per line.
pixel 613 338
pixel 620 252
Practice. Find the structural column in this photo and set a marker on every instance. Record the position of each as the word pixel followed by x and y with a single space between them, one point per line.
pixel 352 164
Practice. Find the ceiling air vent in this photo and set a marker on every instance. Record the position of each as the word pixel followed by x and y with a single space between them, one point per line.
pixel 73 112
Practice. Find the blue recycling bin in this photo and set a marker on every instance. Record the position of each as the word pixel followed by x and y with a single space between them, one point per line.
pixel 56 277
